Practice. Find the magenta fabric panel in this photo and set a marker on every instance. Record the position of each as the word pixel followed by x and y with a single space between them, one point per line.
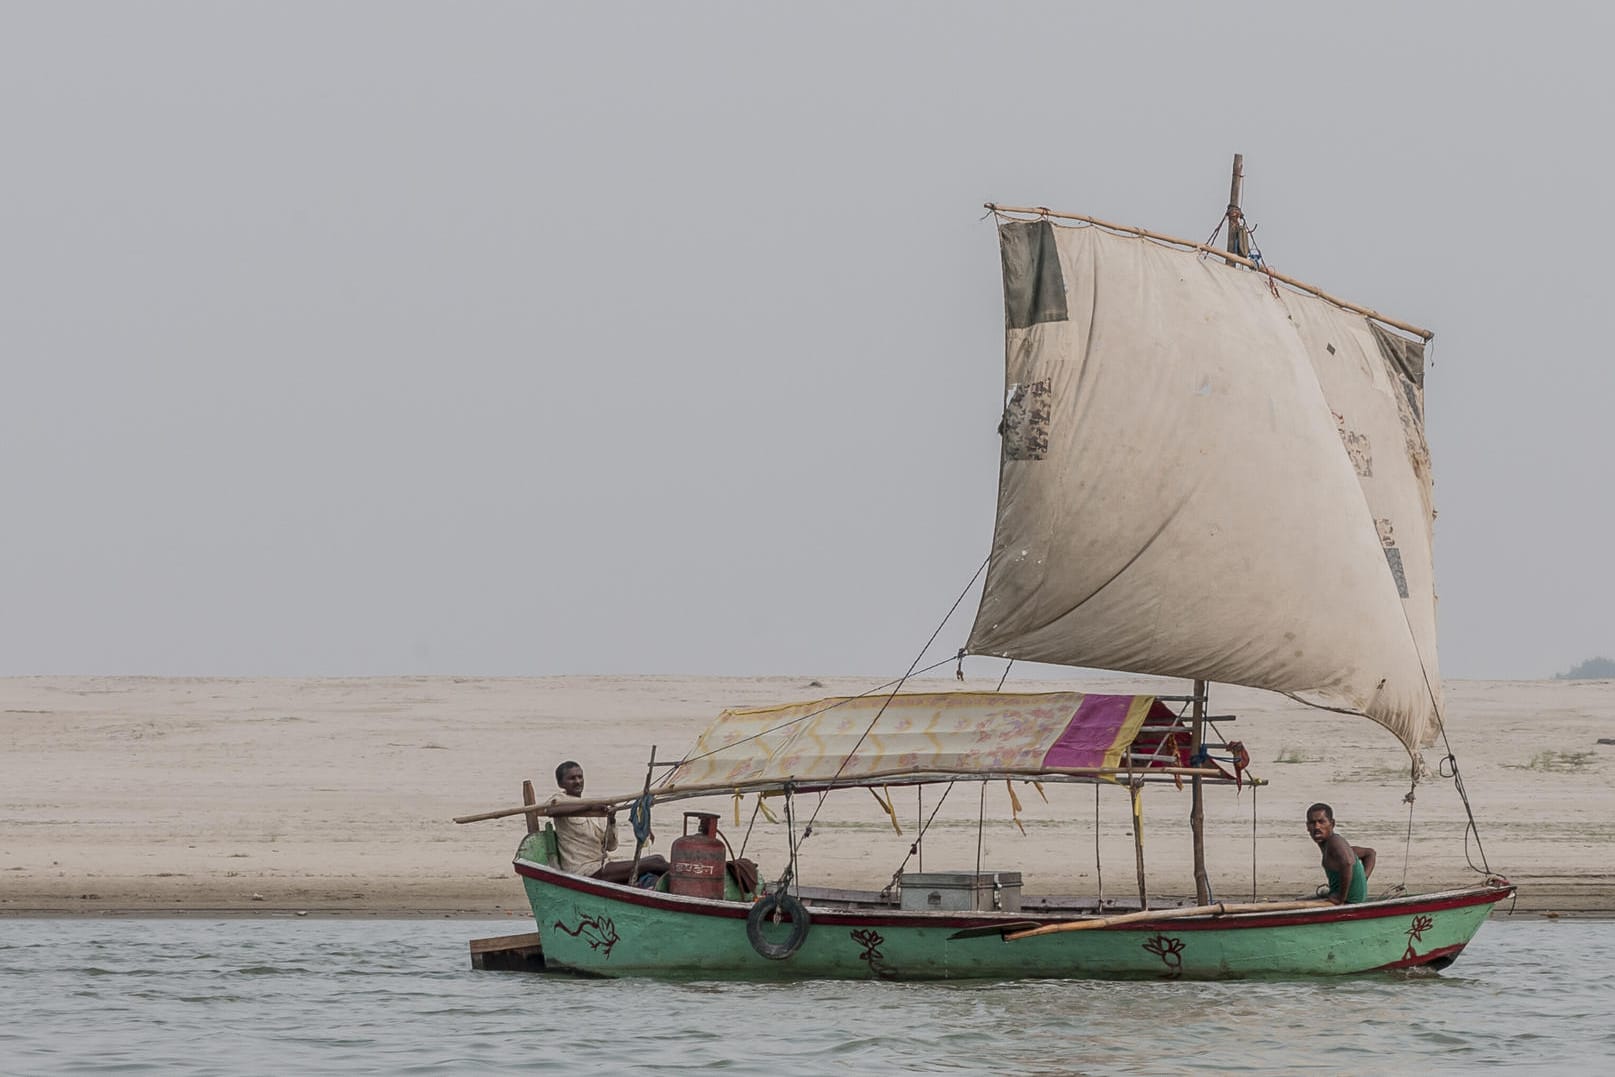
pixel 1091 732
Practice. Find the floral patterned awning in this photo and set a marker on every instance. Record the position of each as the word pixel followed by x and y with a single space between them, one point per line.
pixel 848 740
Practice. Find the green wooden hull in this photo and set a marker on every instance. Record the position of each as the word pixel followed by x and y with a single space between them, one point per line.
pixel 597 928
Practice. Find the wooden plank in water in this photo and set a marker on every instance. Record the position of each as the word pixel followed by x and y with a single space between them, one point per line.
pixel 519 953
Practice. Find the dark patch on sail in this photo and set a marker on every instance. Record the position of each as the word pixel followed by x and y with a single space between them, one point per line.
pixel 1393 556
pixel 1034 287
pixel 1358 449
pixel 1404 355
pixel 1412 395
pixel 1026 421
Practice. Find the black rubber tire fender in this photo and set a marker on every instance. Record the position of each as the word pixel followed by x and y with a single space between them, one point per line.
pixel 766 907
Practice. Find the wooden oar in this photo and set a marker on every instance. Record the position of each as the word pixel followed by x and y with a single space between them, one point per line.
pixel 1219 909
pixel 992 929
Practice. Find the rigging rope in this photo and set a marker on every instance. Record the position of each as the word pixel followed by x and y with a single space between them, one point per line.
pixel 1407 845
pixel 919 837
pixel 811 714
pixel 807 831
pixel 755 809
pixel 1463 795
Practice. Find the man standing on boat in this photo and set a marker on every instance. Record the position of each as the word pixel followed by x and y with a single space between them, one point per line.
pixel 1347 866
pixel 583 841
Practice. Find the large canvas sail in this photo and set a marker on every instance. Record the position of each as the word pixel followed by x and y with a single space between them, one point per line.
pixel 1203 479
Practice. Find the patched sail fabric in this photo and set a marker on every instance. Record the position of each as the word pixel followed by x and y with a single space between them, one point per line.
pixel 1203 479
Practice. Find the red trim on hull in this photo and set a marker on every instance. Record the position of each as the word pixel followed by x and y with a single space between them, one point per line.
pixel 1425 959
pixel 737 911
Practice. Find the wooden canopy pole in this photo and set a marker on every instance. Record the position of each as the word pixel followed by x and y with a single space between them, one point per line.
pixel 1134 788
pixel 639 846
pixel 1197 810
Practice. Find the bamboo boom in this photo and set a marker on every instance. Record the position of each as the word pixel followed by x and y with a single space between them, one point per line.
pixel 679 792
pixel 1221 908
pixel 1367 312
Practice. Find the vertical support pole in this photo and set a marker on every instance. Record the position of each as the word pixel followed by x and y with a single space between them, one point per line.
pixel 639 846
pixel 981 825
pixel 1197 811
pixel 1098 861
pixel 1253 841
pixel 1134 787
pixel 533 818
pixel 919 825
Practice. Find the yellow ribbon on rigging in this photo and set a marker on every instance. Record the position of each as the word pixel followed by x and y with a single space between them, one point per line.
pixel 762 806
pixel 886 806
pixel 1014 806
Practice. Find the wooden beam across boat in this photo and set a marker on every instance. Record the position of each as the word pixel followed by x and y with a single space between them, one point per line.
pixel 895 776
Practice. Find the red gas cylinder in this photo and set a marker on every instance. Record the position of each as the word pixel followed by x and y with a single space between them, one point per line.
pixel 698 859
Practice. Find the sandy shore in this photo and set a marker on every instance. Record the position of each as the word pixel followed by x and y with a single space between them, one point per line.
pixel 133 796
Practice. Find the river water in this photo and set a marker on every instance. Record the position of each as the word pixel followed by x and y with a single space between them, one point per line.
pixel 398 996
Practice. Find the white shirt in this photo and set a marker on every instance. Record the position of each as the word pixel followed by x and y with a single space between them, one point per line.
pixel 582 840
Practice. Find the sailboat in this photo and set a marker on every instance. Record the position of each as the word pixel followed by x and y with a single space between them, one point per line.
pixel 1208 470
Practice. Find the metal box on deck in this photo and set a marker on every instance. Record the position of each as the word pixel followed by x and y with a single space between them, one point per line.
pixel 962 891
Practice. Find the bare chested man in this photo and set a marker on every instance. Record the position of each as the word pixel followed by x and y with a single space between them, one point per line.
pixel 1347 866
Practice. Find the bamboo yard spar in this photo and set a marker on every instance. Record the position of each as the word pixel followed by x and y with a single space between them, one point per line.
pixel 1202 475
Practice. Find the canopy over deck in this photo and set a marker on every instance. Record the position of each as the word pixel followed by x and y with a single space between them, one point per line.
pixel 857 740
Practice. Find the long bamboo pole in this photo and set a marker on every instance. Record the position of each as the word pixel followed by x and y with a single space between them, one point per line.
pixel 576 805
pixel 1367 312
pixel 1219 909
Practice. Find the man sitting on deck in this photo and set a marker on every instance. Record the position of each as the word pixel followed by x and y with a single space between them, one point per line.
pixel 582 841
pixel 1347 866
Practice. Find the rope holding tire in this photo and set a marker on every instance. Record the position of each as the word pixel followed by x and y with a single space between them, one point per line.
pixel 770 907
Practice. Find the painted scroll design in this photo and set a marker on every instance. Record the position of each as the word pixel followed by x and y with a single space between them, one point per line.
pixel 871 940
pixel 1170 951
pixel 598 931
pixel 1415 933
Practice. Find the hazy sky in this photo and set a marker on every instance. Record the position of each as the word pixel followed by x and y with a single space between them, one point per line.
pixel 345 338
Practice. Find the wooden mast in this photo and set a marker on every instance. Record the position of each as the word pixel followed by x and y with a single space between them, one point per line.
pixel 1239 246
pixel 1197 810
pixel 1238 238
